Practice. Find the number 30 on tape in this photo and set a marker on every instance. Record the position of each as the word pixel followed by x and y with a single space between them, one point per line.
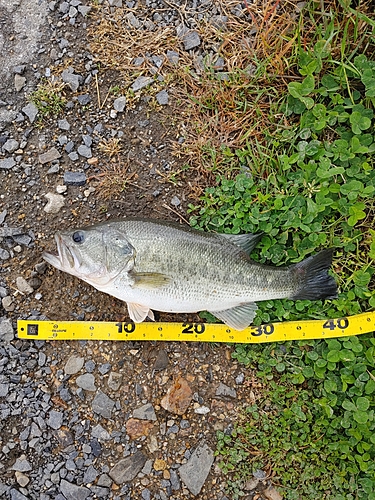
pixel 201 332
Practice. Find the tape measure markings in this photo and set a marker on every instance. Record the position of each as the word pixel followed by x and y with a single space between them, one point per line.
pixel 202 332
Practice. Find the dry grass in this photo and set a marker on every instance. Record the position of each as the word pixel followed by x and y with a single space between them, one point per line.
pixel 215 112
pixel 112 180
pixel 110 147
pixel 224 108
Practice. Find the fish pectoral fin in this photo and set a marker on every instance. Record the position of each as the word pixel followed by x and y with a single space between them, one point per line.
pixel 139 313
pixel 245 241
pixel 238 317
pixel 150 280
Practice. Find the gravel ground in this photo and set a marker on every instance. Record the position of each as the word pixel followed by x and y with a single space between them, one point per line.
pixel 97 419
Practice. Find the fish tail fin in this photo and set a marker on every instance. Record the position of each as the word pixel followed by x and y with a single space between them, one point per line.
pixel 313 275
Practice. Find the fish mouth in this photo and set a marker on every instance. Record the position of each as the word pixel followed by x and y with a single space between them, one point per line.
pixel 63 258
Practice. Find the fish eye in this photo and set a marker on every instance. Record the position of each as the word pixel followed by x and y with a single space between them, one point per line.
pixel 78 237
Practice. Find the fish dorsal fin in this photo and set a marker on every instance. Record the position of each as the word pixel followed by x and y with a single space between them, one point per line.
pixel 150 280
pixel 139 313
pixel 245 241
pixel 238 317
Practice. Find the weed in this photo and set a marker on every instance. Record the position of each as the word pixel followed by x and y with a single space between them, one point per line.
pixel 113 179
pixel 49 98
pixel 110 147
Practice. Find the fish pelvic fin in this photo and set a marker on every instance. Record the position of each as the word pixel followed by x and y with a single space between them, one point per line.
pixel 238 317
pixel 313 275
pixel 150 280
pixel 245 241
pixel 139 313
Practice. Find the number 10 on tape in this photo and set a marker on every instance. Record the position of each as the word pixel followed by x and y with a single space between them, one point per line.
pixel 202 332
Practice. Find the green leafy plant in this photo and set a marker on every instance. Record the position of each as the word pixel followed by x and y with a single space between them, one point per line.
pixel 49 98
pixel 311 185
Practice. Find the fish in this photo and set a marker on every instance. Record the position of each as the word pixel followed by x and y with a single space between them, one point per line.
pixel 164 266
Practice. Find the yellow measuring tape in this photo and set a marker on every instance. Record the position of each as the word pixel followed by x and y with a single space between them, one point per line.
pixel 198 332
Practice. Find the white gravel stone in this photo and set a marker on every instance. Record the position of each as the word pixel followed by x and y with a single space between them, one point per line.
pixel 23 286
pixel 55 203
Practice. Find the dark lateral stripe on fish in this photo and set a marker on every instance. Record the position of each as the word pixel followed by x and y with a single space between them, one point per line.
pixel 316 282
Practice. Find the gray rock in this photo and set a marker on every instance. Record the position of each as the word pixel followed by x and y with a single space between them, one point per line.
pixel 63 124
pixel 90 366
pixel 141 82
pixel 87 140
pixel 260 474
pixel 8 304
pixel 4 389
pixel 90 474
pixel 69 147
pixel 174 479
pixel 240 378
pixel 119 104
pixel 3 214
pixel 23 286
pixel 71 79
pixel 54 169
pixel 190 38
pixel 19 82
pixel 84 10
pixel 218 21
pixel 196 470
pixel 145 412
pixel 17 495
pixel 75 178
pixel 146 494
pixel 100 492
pixel 72 11
pixel 173 56
pixel 84 151
pixel 84 99
pixel 23 239
pixel 55 203
pixel 31 111
pixel 51 155
pixel 126 470
pixel 6 328
pixel 133 20
pixel 161 361
pixel 7 163
pixel 175 201
pixel 73 156
pixel 103 404
pixel 4 254
pixel 73 365
pixel 104 368
pixel 100 433
pixel 224 390
pixel 114 381
pixel 72 491
pixel 55 419
pixel 138 61
pixel 105 480
pixel 11 145
pixel 22 464
pixel 162 97
pixel 87 382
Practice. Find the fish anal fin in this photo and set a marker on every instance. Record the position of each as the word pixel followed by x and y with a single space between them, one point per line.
pixel 150 280
pixel 245 241
pixel 139 313
pixel 239 317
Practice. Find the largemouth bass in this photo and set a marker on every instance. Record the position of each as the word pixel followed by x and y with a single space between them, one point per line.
pixel 159 265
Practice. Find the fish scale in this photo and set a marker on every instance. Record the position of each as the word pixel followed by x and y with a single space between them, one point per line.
pixel 172 268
